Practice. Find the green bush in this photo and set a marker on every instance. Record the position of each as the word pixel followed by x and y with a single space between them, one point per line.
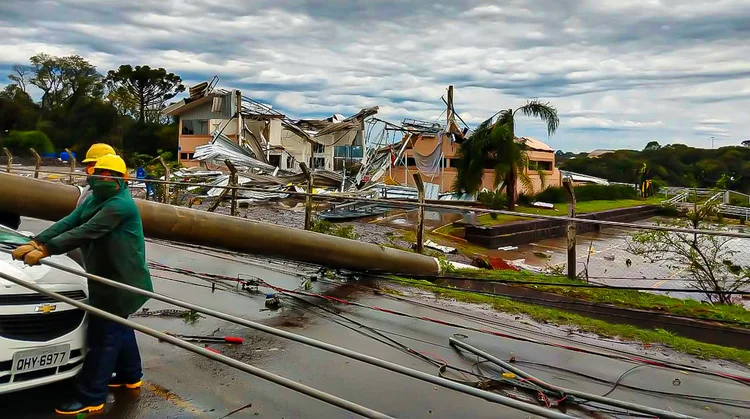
pixel 495 200
pixel 19 142
pixel 326 227
pixel 739 201
pixel 658 185
pixel 552 195
pixel 668 210
pixel 524 199
pixel 605 192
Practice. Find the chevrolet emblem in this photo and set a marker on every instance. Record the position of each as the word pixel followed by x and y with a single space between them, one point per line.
pixel 45 308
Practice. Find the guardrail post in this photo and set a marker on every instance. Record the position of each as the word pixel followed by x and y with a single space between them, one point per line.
pixel 234 181
pixel 308 197
pixel 72 166
pixel 10 158
pixel 166 177
pixel 420 212
pixel 572 260
pixel 38 163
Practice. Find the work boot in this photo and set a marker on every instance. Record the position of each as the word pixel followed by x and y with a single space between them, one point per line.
pixel 75 407
pixel 117 383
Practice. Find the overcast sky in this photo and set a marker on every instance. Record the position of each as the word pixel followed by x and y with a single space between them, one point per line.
pixel 620 72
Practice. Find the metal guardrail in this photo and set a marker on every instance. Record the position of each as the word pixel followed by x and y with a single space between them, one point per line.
pixel 743 212
pixel 682 197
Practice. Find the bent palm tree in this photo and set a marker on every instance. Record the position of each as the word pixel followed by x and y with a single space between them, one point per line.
pixel 493 146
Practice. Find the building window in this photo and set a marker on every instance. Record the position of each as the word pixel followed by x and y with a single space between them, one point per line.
pixel 410 162
pixel 348 152
pixel 274 160
pixel 319 163
pixel 186 156
pixel 319 149
pixel 540 165
pixel 195 127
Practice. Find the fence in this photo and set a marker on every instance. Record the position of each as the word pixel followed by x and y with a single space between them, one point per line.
pixel 712 263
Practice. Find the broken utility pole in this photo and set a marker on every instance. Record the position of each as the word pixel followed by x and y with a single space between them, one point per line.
pixel 308 198
pixel 420 213
pixel 10 158
pixel 568 186
pixel 71 181
pixel 234 180
pixel 38 162
pixel 166 177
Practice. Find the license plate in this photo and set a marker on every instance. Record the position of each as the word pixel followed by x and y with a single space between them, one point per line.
pixel 39 359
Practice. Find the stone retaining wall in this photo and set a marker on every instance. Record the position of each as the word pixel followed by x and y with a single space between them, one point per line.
pixel 522 232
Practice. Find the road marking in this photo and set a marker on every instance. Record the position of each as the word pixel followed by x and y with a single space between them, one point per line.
pixel 171 397
pixel 660 283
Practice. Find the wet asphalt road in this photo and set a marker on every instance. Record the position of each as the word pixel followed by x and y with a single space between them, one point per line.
pixel 184 385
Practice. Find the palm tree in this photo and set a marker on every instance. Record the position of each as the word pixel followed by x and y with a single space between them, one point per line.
pixel 493 145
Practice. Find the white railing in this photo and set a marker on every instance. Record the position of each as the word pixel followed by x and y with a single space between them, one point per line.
pixel 717 196
pixel 681 197
pixel 743 212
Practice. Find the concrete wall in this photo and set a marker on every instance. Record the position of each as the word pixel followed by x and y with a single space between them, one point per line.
pixel 522 232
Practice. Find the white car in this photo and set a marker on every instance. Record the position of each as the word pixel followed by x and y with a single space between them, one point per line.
pixel 41 340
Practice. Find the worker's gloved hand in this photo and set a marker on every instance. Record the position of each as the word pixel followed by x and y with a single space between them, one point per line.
pixel 32 258
pixel 23 250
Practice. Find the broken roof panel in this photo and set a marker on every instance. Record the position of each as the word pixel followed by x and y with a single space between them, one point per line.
pixel 222 148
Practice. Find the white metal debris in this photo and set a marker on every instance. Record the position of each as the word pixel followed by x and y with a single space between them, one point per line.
pixel 222 148
pixel 445 249
pixel 507 248
pixel 546 205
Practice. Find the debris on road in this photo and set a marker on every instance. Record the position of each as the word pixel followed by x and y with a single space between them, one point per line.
pixel 445 249
pixel 214 339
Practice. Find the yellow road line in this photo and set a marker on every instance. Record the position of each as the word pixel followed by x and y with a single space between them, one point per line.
pixel 171 397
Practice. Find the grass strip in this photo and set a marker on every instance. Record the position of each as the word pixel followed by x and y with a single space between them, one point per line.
pixel 599 327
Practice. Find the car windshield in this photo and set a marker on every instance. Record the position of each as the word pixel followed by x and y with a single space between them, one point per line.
pixel 12 237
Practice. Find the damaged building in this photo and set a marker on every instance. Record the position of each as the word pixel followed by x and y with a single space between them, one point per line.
pixel 268 135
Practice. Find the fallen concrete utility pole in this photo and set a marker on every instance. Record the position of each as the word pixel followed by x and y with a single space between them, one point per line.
pixel 53 201
pixel 285 382
pixel 659 413
pixel 400 369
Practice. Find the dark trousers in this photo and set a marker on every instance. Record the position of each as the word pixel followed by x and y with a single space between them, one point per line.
pixel 149 189
pixel 112 348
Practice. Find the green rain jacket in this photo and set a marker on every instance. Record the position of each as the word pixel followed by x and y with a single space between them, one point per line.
pixel 110 235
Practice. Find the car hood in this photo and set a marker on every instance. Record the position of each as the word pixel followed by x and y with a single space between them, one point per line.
pixel 41 274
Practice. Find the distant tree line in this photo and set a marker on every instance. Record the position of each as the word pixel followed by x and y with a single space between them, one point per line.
pixel 79 106
pixel 673 165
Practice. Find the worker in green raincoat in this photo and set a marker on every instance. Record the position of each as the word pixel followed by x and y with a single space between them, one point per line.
pixel 107 227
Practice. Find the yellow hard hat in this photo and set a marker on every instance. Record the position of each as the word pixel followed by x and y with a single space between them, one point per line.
pixel 112 163
pixel 98 150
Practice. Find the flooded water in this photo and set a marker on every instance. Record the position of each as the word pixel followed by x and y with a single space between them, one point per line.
pixel 604 258
pixel 408 219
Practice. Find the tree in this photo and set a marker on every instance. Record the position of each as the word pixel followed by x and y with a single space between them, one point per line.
pixel 21 76
pixel 495 146
pixel 64 80
pixel 150 88
pixel 673 164
pixel 125 103
pixel 746 143
pixel 653 145
pixel 17 110
pixel 708 259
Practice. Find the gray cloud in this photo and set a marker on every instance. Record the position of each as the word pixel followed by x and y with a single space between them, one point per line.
pixel 621 72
